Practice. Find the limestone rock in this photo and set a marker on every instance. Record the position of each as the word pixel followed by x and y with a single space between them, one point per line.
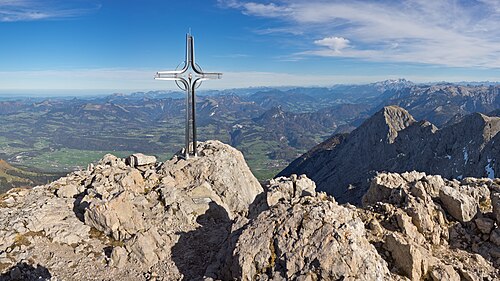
pixel 68 191
pixel 408 257
pixel 444 272
pixel 289 189
pixel 208 218
pixel 133 181
pixel 461 206
pixel 485 225
pixel 222 168
pixel 495 237
pixel 312 238
pixel 406 214
pixel 118 257
pixel 139 159
pixel 117 217
pixel 143 248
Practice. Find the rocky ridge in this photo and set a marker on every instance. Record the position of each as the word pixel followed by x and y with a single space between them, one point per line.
pixel 393 141
pixel 208 218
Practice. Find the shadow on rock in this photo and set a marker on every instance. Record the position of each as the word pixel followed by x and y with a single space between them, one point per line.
pixel 197 249
pixel 26 272
pixel 468 238
pixel 226 266
pixel 79 207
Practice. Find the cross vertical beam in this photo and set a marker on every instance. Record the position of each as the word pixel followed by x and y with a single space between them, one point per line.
pixel 188 79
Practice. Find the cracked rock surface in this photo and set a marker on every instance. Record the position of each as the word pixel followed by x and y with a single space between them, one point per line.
pixel 208 218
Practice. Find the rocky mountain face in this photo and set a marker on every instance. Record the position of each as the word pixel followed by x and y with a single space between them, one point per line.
pixel 392 140
pixel 208 218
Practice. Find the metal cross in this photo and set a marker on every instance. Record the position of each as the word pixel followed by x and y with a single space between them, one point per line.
pixel 189 78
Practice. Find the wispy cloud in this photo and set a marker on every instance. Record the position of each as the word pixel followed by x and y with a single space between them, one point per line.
pixel 447 32
pixel 31 10
pixel 257 9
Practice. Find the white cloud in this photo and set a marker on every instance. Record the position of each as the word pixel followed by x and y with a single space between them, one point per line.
pixel 263 10
pixel 334 43
pixel 446 32
pixel 31 10
pixel 257 9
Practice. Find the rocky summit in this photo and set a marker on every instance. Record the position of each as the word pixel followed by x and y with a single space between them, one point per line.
pixel 393 141
pixel 208 218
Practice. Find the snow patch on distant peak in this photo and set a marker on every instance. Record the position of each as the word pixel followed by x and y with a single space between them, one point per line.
pixel 279 114
pixel 489 169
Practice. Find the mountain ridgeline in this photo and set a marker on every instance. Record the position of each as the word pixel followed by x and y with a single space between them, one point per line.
pixel 272 127
pixel 393 141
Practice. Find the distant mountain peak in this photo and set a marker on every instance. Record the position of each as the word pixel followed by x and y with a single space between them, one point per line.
pixel 391 140
pixel 393 84
pixel 394 81
pixel 388 121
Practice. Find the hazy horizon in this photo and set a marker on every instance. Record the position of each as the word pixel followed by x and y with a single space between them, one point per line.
pixel 40 93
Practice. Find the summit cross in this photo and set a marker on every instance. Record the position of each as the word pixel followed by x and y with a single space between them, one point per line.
pixel 189 78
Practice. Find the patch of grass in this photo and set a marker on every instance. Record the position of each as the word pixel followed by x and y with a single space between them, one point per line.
pixel 262 174
pixel 67 159
pixel 108 240
pixel 21 240
pixel 4 266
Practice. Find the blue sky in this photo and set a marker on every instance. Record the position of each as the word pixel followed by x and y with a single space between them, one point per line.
pixel 115 46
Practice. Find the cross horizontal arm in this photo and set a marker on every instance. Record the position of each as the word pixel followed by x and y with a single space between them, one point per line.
pixel 210 75
pixel 168 75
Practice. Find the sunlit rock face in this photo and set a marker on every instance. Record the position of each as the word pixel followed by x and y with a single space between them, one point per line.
pixel 208 218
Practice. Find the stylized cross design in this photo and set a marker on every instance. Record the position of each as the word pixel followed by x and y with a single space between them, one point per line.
pixel 188 79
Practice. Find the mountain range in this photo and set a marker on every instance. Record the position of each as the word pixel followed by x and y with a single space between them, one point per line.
pixel 392 140
pixel 271 126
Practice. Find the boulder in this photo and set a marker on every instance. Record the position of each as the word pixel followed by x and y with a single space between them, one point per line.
pixel 139 159
pixel 305 238
pixel 117 217
pixel 219 167
pixel 495 237
pixel 289 189
pixel 444 272
pixel 485 225
pixel 459 205
pixel 118 257
pixel 411 259
pixel 68 191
